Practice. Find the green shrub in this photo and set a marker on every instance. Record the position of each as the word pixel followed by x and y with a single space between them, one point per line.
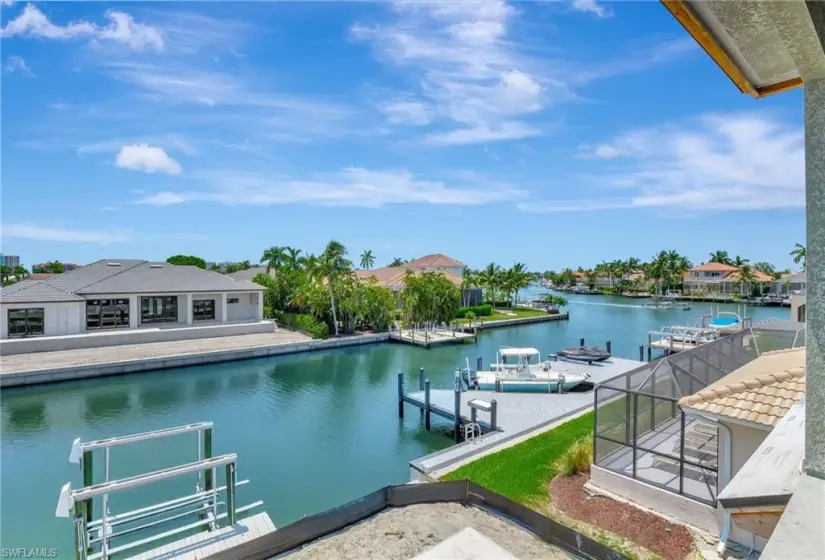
pixel 484 310
pixel 577 458
pixel 305 323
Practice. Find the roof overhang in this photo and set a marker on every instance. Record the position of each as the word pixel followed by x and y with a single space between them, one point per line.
pixel 764 46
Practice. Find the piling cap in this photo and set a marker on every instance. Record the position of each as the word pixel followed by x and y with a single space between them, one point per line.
pixel 65 502
pixel 76 453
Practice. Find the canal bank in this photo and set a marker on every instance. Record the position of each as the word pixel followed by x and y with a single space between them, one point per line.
pixel 328 416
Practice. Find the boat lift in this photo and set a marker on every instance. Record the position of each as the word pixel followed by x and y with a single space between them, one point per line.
pixel 92 537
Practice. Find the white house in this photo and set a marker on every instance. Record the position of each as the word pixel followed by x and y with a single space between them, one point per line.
pixel 126 295
pixel 720 278
pixel 790 284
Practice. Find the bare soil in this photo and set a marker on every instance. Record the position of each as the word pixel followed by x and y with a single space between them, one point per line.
pixel 668 540
pixel 401 533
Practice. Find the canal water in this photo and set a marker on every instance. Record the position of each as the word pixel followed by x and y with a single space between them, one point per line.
pixel 311 430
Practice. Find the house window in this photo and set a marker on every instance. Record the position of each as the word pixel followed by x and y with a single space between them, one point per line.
pixel 107 313
pixel 203 309
pixel 162 309
pixel 233 300
pixel 800 313
pixel 26 322
pixel 696 275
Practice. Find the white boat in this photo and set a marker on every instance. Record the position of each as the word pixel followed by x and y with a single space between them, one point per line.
pixel 667 302
pixel 521 370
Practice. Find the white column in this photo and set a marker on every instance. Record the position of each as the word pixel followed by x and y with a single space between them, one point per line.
pixel 260 296
pixel 189 309
pixel 815 265
pixel 134 311
pixel 223 307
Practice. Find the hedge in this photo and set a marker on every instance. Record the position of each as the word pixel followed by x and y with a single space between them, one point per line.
pixel 304 322
pixel 484 310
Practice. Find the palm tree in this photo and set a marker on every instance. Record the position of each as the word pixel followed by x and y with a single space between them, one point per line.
pixel 274 258
pixel 332 263
pixel 468 281
pixel 245 265
pixel 397 262
pixel 5 274
pixel 720 257
pixel 490 278
pixel 215 267
pixel 765 268
pixel 799 253
pixel 292 258
pixel 739 262
pixel 517 278
pixel 19 272
pixel 367 259
pixel 745 278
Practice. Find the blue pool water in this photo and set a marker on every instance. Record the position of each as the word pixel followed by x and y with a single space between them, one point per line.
pixel 724 321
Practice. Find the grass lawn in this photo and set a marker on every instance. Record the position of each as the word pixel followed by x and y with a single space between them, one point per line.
pixel 522 472
pixel 497 316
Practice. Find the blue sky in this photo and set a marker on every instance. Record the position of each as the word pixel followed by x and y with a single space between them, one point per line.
pixel 552 133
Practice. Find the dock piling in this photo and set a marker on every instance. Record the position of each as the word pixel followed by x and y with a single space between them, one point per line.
pixel 457 406
pixel 609 347
pixel 493 415
pixel 478 364
pixel 421 378
pixel 581 342
pixel 641 352
pixel 401 394
pixel 427 404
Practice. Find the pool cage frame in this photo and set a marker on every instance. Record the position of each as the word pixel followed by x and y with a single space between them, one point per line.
pixel 641 432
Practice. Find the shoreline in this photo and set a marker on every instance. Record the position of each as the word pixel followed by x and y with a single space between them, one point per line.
pixel 514 321
pixel 40 376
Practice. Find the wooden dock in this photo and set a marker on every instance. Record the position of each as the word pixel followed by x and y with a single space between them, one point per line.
pixel 429 338
pixel 203 544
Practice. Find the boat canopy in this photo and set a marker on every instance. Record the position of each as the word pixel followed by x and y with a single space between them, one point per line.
pixel 518 352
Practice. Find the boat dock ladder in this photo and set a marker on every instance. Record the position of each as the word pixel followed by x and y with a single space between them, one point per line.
pixel 206 510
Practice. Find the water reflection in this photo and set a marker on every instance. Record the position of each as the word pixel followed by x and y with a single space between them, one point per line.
pixel 244 381
pixel 163 398
pixel 207 388
pixel 107 405
pixel 26 417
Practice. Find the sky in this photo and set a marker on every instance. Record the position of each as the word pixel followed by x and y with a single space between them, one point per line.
pixel 557 134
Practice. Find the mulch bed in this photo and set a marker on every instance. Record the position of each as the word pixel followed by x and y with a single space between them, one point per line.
pixel 671 542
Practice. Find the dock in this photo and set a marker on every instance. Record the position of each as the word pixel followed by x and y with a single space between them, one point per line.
pixel 480 324
pixel 201 545
pixel 488 418
pixel 432 337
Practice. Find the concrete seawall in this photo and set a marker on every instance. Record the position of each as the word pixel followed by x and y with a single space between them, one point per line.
pixel 518 321
pixel 86 371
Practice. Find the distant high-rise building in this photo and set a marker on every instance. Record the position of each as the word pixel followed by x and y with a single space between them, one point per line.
pixel 9 260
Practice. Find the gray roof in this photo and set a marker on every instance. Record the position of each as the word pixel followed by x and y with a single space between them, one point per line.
pixel 118 276
pixel 248 274
pixel 35 292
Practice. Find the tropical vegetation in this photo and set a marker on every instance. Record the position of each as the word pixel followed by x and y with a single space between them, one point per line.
pixel 320 294
pixel 428 298
pixel 501 285
pixel 12 274
pixel 799 254
pixel 187 260
pixel 51 267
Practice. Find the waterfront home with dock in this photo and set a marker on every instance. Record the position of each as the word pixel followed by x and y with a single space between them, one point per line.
pixel 392 277
pixel 125 301
pixel 720 278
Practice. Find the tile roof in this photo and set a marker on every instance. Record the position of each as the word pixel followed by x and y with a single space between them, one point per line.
pixel 393 276
pixel 248 274
pixel 713 267
pixel 760 392
pixel 760 276
pixel 434 261
pixel 118 276
pixel 29 291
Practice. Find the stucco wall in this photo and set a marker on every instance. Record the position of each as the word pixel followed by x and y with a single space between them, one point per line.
pixel 744 442
pixel 246 308
pixel 58 318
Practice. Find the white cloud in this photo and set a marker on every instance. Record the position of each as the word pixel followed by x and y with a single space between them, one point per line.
pixel 406 112
pixel 470 75
pixel 6 2
pixel 353 186
pixel 591 6
pixel 26 231
pixel 121 28
pixel 151 159
pixel 720 162
pixel 482 134
pixel 17 64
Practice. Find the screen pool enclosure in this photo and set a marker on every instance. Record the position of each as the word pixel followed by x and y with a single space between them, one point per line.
pixel 641 432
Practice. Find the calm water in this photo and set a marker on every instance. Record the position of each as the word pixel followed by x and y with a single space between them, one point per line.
pixel 311 431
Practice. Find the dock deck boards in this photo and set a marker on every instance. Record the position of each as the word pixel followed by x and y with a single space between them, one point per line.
pixel 201 545
pixel 517 414
pixel 432 338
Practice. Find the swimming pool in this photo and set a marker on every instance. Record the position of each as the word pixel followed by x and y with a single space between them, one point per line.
pixel 724 321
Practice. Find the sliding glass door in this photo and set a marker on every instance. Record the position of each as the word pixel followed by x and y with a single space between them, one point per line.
pixel 159 309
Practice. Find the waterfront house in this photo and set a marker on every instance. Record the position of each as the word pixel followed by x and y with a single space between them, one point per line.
pixel 720 278
pixel 123 295
pixel 392 277
pixel 796 283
